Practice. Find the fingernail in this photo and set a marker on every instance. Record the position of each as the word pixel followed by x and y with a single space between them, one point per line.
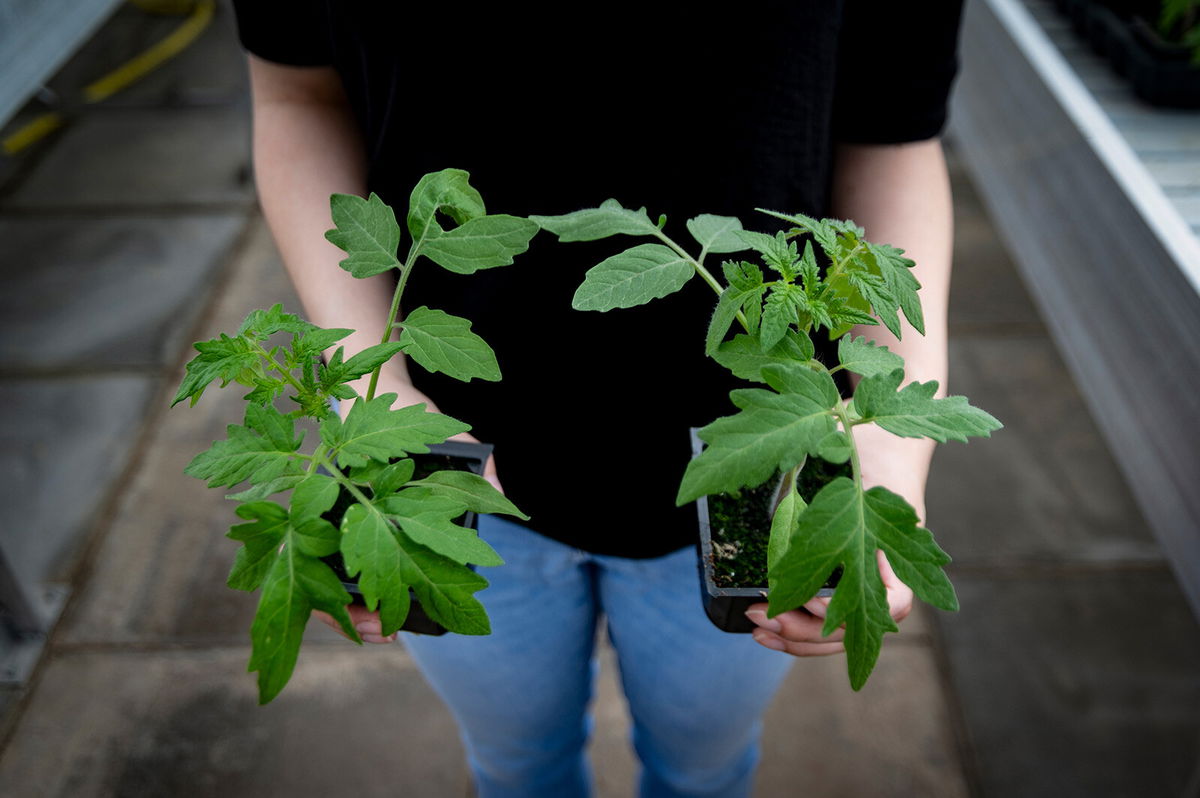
pixel 368 628
pixel 760 618
pixel 764 639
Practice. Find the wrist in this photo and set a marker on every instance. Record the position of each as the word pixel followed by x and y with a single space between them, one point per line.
pixel 899 464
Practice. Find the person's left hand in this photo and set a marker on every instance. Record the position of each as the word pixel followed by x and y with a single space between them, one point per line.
pixel 901 465
pixel 798 632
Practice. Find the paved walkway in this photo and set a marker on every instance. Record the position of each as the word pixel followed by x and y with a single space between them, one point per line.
pixel 1073 668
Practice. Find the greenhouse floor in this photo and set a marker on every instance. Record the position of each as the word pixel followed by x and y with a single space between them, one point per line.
pixel 1072 669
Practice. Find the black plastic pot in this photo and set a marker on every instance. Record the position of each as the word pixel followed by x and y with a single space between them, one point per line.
pixel 451 455
pixel 726 606
pixel 1159 72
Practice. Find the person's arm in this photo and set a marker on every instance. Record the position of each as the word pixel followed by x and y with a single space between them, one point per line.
pixel 306 147
pixel 900 194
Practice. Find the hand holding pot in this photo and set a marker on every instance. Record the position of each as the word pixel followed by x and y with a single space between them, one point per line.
pixel 367 623
pixel 799 632
pixel 369 627
pixel 903 465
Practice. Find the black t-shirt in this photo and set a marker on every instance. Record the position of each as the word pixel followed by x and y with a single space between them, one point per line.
pixel 552 108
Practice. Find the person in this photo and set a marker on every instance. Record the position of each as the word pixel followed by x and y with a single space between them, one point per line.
pixel 820 107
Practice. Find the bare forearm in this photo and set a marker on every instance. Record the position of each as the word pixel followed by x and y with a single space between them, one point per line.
pixel 306 147
pixel 900 194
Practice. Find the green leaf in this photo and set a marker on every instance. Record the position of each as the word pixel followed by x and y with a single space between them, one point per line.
pixel 473 491
pixel 481 243
pixel 372 430
pixel 896 271
pixel 866 358
pixel 262 324
pixel 759 242
pixel 430 522
pixel 742 275
pixel 810 273
pixel 745 290
pixel 332 375
pixel 372 552
pixel 745 357
pixel 728 305
pixel 845 526
pixel 834 447
pixel 777 252
pixel 910 549
pixel 257 492
pixel 441 342
pixel 261 451
pixel 448 191
pixel 391 478
pixel 316 341
pixel 590 224
pixel 912 412
pixel 446 588
pixel 294 586
pixel 774 431
pixel 224 359
pixel 779 314
pixel 843 316
pixel 873 288
pixel 364 362
pixel 782 524
pixel 367 231
pixel 634 277
pixel 315 537
pixel 260 538
pixel 822 230
pixel 266 390
pixel 313 497
pixel 716 233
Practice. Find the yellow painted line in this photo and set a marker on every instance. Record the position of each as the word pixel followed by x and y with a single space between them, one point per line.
pixel 148 61
pixel 135 69
pixel 31 131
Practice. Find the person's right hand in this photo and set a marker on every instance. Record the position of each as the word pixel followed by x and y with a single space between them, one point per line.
pixel 368 624
pixel 369 627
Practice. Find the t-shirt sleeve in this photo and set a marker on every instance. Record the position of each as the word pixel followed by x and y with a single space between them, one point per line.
pixel 896 63
pixel 291 32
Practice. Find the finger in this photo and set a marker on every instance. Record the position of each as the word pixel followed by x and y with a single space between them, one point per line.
pixel 818 606
pixel 365 622
pixel 329 621
pixel 368 625
pixel 796 626
pixel 489 473
pixel 777 643
pixel 900 595
pixel 803 627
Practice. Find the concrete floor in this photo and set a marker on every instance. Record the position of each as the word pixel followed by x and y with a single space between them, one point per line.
pixel 1072 669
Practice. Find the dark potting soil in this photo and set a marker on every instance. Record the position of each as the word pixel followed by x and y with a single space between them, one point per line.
pixel 741 525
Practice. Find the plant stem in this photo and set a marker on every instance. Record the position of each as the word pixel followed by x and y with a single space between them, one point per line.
pixel 704 273
pixel 840 411
pixel 283 372
pixel 316 458
pixel 836 268
pixel 319 458
pixel 405 271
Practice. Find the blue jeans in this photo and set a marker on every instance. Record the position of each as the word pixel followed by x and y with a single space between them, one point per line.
pixel 520 695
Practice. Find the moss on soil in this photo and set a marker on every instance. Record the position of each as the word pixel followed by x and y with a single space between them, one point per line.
pixel 741 525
